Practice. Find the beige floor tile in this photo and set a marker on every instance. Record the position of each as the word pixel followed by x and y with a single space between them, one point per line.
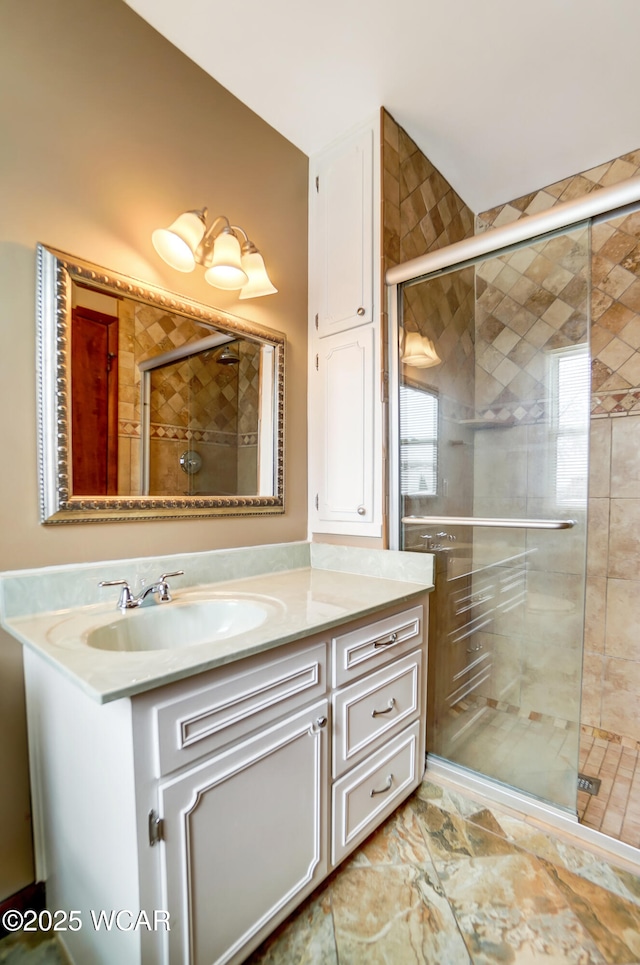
pixel 448 880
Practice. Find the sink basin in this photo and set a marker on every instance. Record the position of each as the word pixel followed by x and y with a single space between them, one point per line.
pixel 179 624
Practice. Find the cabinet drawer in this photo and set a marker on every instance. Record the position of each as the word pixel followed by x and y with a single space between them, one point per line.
pixel 236 700
pixel 371 791
pixel 375 644
pixel 373 709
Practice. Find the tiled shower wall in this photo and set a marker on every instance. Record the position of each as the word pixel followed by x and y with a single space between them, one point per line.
pixel 531 304
pixel 611 674
pixel 421 212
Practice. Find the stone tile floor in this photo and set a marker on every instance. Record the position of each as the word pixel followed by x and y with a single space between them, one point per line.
pixel 31 950
pixel 448 880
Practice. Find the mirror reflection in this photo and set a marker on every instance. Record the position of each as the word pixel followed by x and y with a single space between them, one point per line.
pixel 168 401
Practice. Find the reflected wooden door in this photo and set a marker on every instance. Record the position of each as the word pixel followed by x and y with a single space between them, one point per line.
pixel 94 407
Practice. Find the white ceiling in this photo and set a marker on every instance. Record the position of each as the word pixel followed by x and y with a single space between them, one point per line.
pixel 503 96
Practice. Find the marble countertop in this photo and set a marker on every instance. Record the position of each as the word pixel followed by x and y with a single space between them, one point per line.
pixel 326 586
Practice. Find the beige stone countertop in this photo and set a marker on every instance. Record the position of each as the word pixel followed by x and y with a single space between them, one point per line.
pixel 298 603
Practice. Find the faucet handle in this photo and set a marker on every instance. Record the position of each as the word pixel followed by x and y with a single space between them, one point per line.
pixel 163 586
pixel 166 576
pixel 125 599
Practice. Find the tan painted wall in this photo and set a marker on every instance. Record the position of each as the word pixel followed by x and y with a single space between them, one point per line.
pixel 107 133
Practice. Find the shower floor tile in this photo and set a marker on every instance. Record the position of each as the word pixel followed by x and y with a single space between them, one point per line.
pixel 615 810
pixel 528 750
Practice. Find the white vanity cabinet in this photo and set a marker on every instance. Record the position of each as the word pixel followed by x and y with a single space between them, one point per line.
pixel 378 733
pixel 238 777
pixel 345 404
pixel 225 798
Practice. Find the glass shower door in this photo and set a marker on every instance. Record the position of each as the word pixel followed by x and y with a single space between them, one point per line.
pixel 494 428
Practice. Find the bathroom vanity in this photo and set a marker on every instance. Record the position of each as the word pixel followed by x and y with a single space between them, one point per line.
pixel 219 782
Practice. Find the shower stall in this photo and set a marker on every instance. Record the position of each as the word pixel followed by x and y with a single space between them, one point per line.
pixel 489 442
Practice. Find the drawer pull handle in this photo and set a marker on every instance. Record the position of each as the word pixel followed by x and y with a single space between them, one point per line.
pixel 387 710
pixel 383 790
pixel 386 643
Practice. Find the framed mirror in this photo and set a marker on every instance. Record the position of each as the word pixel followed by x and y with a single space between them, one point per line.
pixel 152 406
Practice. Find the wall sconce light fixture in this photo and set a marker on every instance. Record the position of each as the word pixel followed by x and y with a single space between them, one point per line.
pixel 230 262
pixel 418 350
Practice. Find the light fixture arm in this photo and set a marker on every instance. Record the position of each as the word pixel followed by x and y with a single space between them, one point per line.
pixel 204 251
pixel 220 224
pixel 248 246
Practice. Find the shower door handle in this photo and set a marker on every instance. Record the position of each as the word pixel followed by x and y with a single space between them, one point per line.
pixel 494 523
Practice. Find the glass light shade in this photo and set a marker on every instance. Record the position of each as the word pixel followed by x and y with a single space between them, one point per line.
pixel 259 282
pixel 177 244
pixel 419 351
pixel 226 270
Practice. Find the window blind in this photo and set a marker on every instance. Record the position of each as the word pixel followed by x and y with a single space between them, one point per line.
pixel 418 442
pixel 572 426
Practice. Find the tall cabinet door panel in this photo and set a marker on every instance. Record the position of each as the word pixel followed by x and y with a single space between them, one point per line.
pixel 343 195
pixel 260 806
pixel 345 404
pixel 345 389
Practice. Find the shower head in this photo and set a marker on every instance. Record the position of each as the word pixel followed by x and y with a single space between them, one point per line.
pixel 228 356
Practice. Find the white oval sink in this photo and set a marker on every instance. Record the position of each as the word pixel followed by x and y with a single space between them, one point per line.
pixel 172 625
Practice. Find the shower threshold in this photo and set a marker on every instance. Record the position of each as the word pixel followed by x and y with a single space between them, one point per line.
pixel 538 812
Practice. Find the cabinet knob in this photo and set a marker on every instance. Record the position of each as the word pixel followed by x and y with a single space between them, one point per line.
pixel 362 511
pixel 318 724
pixel 361 311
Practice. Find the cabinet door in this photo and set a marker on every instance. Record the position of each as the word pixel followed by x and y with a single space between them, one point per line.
pixel 345 456
pixel 245 838
pixel 342 235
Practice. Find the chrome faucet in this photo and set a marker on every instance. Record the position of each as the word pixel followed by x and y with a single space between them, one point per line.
pixel 432 545
pixel 160 589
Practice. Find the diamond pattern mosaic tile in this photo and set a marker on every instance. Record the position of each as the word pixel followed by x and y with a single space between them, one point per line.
pixel 443 310
pixel 615 305
pixel 612 172
pixel 528 302
pixel 421 211
pixel 615 279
